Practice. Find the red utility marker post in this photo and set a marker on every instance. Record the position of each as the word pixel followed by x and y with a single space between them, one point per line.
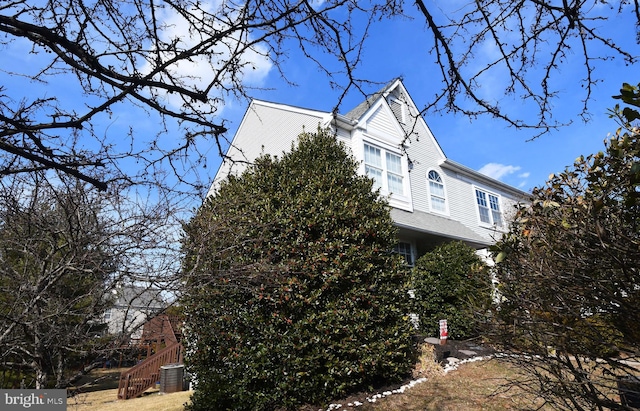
pixel 443 332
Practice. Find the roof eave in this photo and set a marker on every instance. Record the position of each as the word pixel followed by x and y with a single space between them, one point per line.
pixel 457 167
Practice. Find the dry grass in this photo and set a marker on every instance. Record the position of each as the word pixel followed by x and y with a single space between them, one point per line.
pixel 426 366
pixel 473 386
pixel 106 400
pixel 98 392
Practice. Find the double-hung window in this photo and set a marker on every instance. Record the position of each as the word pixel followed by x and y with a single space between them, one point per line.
pixel 385 168
pixel 489 208
pixel 437 197
pixel 405 250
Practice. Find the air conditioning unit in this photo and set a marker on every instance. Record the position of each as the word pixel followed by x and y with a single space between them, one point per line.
pixel 171 378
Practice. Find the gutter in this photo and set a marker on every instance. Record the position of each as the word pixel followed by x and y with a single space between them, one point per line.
pixel 459 168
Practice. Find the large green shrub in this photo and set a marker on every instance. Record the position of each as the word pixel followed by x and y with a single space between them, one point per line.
pixel 453 283
pixel 293 294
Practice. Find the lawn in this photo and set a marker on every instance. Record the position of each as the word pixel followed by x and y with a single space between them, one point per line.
pixel 106 400
pixel 98 391
pixel 473 386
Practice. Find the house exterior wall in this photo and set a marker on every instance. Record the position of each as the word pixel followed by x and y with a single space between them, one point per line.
pixel 128 320
pixel 425 155
pixel 462 205
pixel 389 121
pixel 132 308
pixel 464 208
pixel 267 128
pixel 382 124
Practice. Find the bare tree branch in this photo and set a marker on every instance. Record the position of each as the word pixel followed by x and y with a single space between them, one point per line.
pixel 530 42
pixel 177 59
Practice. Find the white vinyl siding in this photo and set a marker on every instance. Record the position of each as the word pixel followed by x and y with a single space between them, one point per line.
pixel 382 123
pixel 425 155
pixel 271 122
pixel 399 109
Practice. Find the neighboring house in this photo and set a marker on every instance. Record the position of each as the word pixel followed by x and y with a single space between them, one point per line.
pixel 133 306
pixel 433 198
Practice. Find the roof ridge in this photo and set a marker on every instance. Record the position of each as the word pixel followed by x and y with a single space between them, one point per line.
pixel 362 108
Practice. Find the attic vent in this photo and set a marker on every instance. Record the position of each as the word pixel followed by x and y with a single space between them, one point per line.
pixel 398 109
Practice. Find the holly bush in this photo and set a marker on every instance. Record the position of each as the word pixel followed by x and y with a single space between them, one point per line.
pixel 453 283
pixel 293 294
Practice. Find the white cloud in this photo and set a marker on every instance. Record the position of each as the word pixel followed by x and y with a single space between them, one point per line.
pixel 200 71
pixel 497 171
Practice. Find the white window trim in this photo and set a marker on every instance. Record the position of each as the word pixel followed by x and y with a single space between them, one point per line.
pixel 444 187
pixel 477 207
pixel 395 200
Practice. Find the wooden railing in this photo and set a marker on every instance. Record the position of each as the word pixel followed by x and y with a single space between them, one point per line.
pixel 140 378
pixel 162 327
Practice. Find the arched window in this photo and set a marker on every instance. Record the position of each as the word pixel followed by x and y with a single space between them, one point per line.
pixel 437 198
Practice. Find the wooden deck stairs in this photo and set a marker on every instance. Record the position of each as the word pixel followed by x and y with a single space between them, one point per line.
pixel 162 335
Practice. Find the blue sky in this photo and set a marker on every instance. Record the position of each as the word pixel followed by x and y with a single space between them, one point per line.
pixel 400 48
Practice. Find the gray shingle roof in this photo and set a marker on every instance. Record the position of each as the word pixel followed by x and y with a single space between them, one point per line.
pixel 436 225
pixel 362 108
pixel 139 297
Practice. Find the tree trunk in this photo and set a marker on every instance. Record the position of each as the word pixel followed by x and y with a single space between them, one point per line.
pixel 60 380
pixel 41 375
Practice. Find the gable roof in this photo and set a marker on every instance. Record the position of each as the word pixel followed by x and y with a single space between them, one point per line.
pixel 358 111
pixel 396 85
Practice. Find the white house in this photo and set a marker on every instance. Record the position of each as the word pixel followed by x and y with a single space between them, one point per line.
pixel 433 198
pixel 133 306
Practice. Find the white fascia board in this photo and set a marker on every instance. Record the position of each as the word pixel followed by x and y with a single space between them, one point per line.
pixel 326 116
pixel 362 123
pixel 476 176
pixel 420 120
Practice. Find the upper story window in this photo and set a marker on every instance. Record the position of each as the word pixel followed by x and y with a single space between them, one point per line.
pixel 385 168
pixel 437 198
pixel 489 208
